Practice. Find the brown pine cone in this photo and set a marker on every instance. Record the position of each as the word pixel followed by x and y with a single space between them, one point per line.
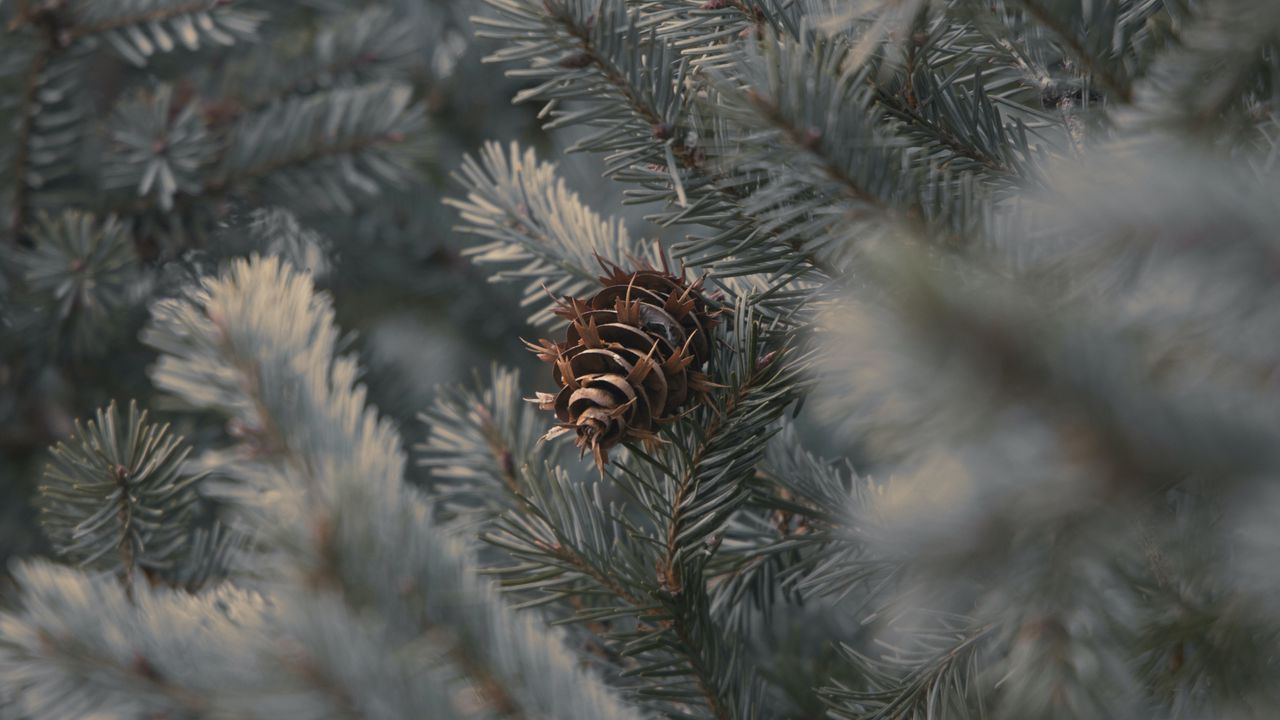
pixel 631 360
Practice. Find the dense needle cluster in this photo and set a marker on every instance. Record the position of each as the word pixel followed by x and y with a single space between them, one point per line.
pixel 631 359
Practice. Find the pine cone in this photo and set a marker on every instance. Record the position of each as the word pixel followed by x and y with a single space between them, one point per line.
pixel 631 359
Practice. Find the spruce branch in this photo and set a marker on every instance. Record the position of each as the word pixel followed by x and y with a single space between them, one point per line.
pixel 351 528
pixel 1215 71
pixel 801 536
pixel 1040 381
pixel 644 120
pixel 923 93
pixel 23 139
pixel 346 48
pixel 75 647
pixel 277 232
pixel 536 222
pixel 47 120
pixel 764 375
pixel 1081 405
pixel 555 242
pixel 322 152
pixel 708 33
pixel 936 676
pixel 158 149
pixel 326 149
pixel 966 125
pixel 686 490
pixel 844 177
pixel 119 498
pixel 139 29
pixel 78 276
pixel 479 446
pixel 575 552
pixel 566 546
pixel 762 380
pixel 1104 69
pixel 563 552
pixel 1194 635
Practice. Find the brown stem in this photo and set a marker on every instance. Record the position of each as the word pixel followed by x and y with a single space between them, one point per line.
pixel 688 649
pixel 667 566
pixel 125 515
pixel 807 141
pixel 502 454
pixel 568 556
pixel 668 569
pixel 908 112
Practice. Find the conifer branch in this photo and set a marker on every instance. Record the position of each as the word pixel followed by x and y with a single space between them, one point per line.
pixel 809 140
pixel 119 498
pixel 27 108
pixel 1116 85
pixel 906 106
pixel 544 531
pixel 501 425
pixel 938 679
pixel 941 134
pixel 350 48
pixel 650 91
pixel 801 536
pixel 1214 66
pixel 72 638
pixel 394 563
pixel 138 29
pixel 705 471
pixel 159 12
pixel 322 150
pixel 479 446
pixel 341 126
pixel 536 223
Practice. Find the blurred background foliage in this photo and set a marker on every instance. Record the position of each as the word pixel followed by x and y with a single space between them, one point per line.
pixel 162 133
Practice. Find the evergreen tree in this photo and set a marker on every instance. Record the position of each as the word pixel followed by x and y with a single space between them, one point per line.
pixel 1007 261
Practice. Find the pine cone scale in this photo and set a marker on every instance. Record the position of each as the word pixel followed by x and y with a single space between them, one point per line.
pixel 631 359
